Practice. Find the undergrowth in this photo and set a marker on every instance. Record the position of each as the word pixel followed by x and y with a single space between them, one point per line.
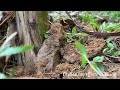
pixel 6 50
pixel 111 48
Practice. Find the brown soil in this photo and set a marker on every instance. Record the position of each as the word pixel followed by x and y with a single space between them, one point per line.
pixel 70 71
pixel 70 68
pixel 95 47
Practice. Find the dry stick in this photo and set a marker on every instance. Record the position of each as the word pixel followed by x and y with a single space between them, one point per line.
pixel 50 22
pixel 99 34
pixel 7 40
pixel 99 73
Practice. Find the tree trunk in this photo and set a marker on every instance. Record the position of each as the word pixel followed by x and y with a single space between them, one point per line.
pixel 31 33
pixel 10 30
pixel 43 24
pixel 25 26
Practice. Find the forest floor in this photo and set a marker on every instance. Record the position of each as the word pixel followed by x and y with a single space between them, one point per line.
pixel 98 45
pixel 71 70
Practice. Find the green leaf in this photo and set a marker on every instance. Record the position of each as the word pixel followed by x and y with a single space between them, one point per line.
pixel 2 76
pixel 107 51
pixel 98 59
pixel 84 53
pixel 81 48
pixel 95 25
pixel 112 26
pixel 114 44
pixel 84 61
pixel 117 53
pixel 100 67
pixel 103 26
pixel 94 65
pixel 109 40
pixel 15 50
pixel 110 45
pixel 81 35
pixel 46 35
pixel 90 18
pixel 74 31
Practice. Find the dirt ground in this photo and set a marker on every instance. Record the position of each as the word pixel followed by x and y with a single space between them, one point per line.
pixel 70 67
pixel 69 71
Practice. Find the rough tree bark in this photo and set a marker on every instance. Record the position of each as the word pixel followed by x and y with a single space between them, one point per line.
pixel 24 20
pixel 31 28
pixel 10 30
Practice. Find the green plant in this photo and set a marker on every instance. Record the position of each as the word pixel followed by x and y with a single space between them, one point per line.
pixel 46 35
pixel 90 19
pixel 5 49
pixel 111 48
pixel 2 76
pixel 117 53
pixel 98 60
pixel 109 27
pixel 92 22
pixel 85 60
pixel 84 53
pixel 72 37
pixel 15 50
pixel 114 15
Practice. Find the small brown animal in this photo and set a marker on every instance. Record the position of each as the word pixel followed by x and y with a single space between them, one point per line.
pixel 48 54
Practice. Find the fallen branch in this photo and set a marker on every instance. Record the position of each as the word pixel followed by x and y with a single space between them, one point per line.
pixel 97 34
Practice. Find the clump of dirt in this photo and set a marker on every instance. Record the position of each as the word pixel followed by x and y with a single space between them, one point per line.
pixel 22 73
pixel 112 70
pixel 42 75
pixel 70 53
pixel 18 71
pixel 95 47
pixel 67 71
